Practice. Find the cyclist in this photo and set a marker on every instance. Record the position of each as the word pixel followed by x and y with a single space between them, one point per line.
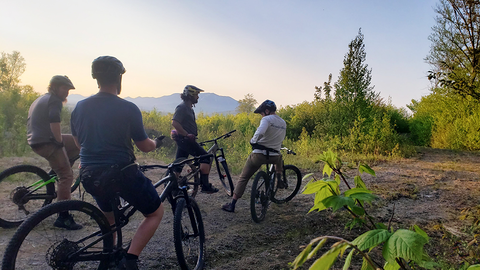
pixel 44 135
pixel 104 126
pixel 185 134
pixel 266 144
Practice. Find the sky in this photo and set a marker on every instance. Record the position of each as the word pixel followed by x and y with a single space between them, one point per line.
pixel 272 49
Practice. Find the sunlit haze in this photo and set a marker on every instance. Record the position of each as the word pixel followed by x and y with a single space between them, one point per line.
pixel 273 49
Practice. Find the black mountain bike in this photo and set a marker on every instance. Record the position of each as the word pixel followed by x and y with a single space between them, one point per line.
pixel 266 188
pixel 24 190
pixel 190 175
pixel 38 244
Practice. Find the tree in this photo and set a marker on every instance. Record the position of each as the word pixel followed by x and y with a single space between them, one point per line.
pixel 12 67
pixel 246 105
pixel 327 89
pixel 455 51
pixel 353 85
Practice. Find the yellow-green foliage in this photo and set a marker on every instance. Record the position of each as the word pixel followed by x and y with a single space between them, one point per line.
pixel 452 121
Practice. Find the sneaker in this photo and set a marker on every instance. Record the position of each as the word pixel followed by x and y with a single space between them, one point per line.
pixel 228 207
pixel 209 189
pixel 281 184
pixel 125 264
pixel 67 223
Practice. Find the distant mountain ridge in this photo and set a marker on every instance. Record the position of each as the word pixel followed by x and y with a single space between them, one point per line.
pixel 209 103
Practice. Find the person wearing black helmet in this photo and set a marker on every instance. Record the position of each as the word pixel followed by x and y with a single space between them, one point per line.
pixel 266 144
pixel 104 126
pixel 44 135
pixel 185 134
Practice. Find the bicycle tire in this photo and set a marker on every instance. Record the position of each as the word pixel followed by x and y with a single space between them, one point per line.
pixel 16 182
pixel 37 244
pixel 259 198
pixel 292 181
pixel 189 235
pixel 226 178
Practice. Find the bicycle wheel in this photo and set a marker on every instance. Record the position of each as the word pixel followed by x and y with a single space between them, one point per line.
pixel 291 182
pixel 259 198
pixel 190 177
pixel 189 235
pixel 19 197
pixel 225 178
pixel 37 244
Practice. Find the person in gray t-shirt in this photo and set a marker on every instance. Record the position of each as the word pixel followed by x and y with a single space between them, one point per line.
pixel 44 135
pixel 185 134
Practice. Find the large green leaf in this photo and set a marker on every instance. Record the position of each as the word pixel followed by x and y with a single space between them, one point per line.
pixel 365 168
pixel 421 232
pixel 327 260
pixel 357 190
pixel 391 266
pixel 359 182
pixel 318 247
pixel 327 170
pixel 366 265
pixel 302 257
pixel 338 201
pixel 474 267
pixel 364 197
pixel 404 244
pixel 314 187
pixel 371 239
pixel 348 260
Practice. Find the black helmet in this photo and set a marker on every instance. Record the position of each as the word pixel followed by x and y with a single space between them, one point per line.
pixel 107 66
pixel 267 104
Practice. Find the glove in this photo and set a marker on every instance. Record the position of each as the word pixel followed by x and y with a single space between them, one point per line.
pixel 191 137
pixel 159 141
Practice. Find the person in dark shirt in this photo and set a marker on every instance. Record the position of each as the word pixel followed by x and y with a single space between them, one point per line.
pixel 104 126
pixel 46 139
pixel 185 134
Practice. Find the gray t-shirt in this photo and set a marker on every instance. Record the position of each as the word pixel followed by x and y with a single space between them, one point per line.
pixel 43 111
pixel 185 115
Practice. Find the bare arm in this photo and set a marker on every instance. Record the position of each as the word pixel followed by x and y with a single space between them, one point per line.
pixel 57 131
pixel 146 145
pixel 176 125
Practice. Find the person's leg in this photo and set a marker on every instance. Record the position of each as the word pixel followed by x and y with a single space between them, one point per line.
pixel 72 150
pixel 145 231
pixel 253 163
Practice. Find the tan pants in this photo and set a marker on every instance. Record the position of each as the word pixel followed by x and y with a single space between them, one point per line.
pixel 253 163
pixel 58 158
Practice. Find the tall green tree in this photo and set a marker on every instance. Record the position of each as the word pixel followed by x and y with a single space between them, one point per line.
pixel 353 92
pixel 247 104
pixel 455 50
pixel 327 89
pixel 15 100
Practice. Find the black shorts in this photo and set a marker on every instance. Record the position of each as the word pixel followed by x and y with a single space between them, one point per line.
pixel 186 147
pixel 133 186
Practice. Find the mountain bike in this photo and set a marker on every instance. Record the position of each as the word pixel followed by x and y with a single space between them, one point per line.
pixel 266 188
pixel 190 175
pixel 25 189
pixel 39 245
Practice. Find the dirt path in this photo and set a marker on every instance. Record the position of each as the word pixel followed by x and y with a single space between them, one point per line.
pixel 427 190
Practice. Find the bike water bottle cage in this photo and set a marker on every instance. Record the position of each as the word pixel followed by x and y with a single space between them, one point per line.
pixel 191 90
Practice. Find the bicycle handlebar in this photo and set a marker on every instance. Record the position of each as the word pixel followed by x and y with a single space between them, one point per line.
pixel 226 135
pixel 288 151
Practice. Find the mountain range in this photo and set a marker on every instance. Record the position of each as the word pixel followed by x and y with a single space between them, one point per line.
pixel 208 103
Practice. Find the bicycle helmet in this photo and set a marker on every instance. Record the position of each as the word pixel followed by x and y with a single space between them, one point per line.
pixel 191 90
pixel 58 80
pixel 107 66
pixel 267 104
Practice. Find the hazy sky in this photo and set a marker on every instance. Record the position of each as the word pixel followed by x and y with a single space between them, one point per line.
pixel 273 49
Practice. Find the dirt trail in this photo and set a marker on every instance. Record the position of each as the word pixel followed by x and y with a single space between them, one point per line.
pixel 429 189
